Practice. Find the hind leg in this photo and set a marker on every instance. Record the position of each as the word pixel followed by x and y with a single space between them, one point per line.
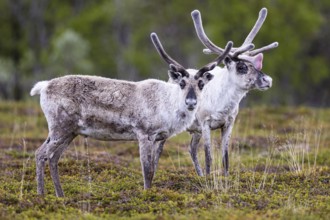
pixel 159 153
pixel 55 150
pixel 41 158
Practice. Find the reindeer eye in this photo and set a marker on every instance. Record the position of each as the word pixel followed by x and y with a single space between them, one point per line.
pixel 182 84
pixel 200 84
pixel 241 67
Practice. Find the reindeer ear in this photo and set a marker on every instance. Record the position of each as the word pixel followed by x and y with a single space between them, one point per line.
pixel 175 76
pixel 212 66
pixel 227 60
pixel 255 60
pixel 173 68
pixel 258 61
pixel 208 76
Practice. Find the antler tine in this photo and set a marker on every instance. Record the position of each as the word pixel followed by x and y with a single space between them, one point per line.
pixel 246 48
pixel 208 51
pixel 216 62
pixel 196 16
pixel 238 51
pixel 228 48
pixel 265 48
pixel 162 53
pixel 212 48
pixel 243 49
pixel 256 27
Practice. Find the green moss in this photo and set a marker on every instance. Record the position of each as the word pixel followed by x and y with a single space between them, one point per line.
pixel 268 179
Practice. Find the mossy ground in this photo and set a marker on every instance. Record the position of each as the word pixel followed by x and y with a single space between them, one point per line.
pixel 279 157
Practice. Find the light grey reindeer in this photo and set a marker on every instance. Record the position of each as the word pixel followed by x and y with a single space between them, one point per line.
pixel 148 111
pixel 220 103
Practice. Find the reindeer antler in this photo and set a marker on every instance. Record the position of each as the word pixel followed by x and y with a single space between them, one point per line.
pixel 216 62
pixel 256 27
pixel 174 65
pixel 245 48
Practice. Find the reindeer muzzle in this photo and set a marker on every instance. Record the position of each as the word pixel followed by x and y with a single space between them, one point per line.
pixel 264 81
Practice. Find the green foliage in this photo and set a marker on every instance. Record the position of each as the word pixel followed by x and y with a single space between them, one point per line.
pixel 111 38
pixel 70 54
pixel 6 66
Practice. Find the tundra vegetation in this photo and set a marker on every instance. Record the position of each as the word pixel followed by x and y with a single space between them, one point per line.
pixel 280 160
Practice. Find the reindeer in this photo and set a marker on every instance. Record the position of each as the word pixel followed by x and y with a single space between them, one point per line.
pixel 149 111
pixel 220 104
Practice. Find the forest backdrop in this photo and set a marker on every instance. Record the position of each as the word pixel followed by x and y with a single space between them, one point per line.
pixel 42 39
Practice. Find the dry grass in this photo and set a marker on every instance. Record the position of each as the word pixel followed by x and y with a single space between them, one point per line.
pixel 279 161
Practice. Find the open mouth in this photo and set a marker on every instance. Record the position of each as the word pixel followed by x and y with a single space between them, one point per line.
pixel 264 87
pixel 190 108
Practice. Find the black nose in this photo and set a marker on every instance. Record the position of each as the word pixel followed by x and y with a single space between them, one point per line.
pixel 191 99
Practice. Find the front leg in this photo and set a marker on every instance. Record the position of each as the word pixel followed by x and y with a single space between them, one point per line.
pixel 225 138
pixel 147 158
pixel 206 133
pixel 196 136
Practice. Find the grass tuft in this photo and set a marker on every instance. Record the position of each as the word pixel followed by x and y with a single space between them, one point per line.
pixel 279 169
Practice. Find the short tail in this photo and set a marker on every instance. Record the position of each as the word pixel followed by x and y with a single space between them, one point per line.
pixel 38 87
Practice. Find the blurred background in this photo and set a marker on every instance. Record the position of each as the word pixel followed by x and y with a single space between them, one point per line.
pixel 43 39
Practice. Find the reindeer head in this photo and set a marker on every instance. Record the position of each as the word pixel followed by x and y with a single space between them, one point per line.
pixel 243 63
pixel 190 81
pixel 245 74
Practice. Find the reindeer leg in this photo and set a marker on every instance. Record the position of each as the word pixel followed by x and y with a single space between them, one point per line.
pixel 55 151
pixel 226 133
pixel 159 153
pixel 147 159
pixel 41 157
pixel 207 148
pixel 193 152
